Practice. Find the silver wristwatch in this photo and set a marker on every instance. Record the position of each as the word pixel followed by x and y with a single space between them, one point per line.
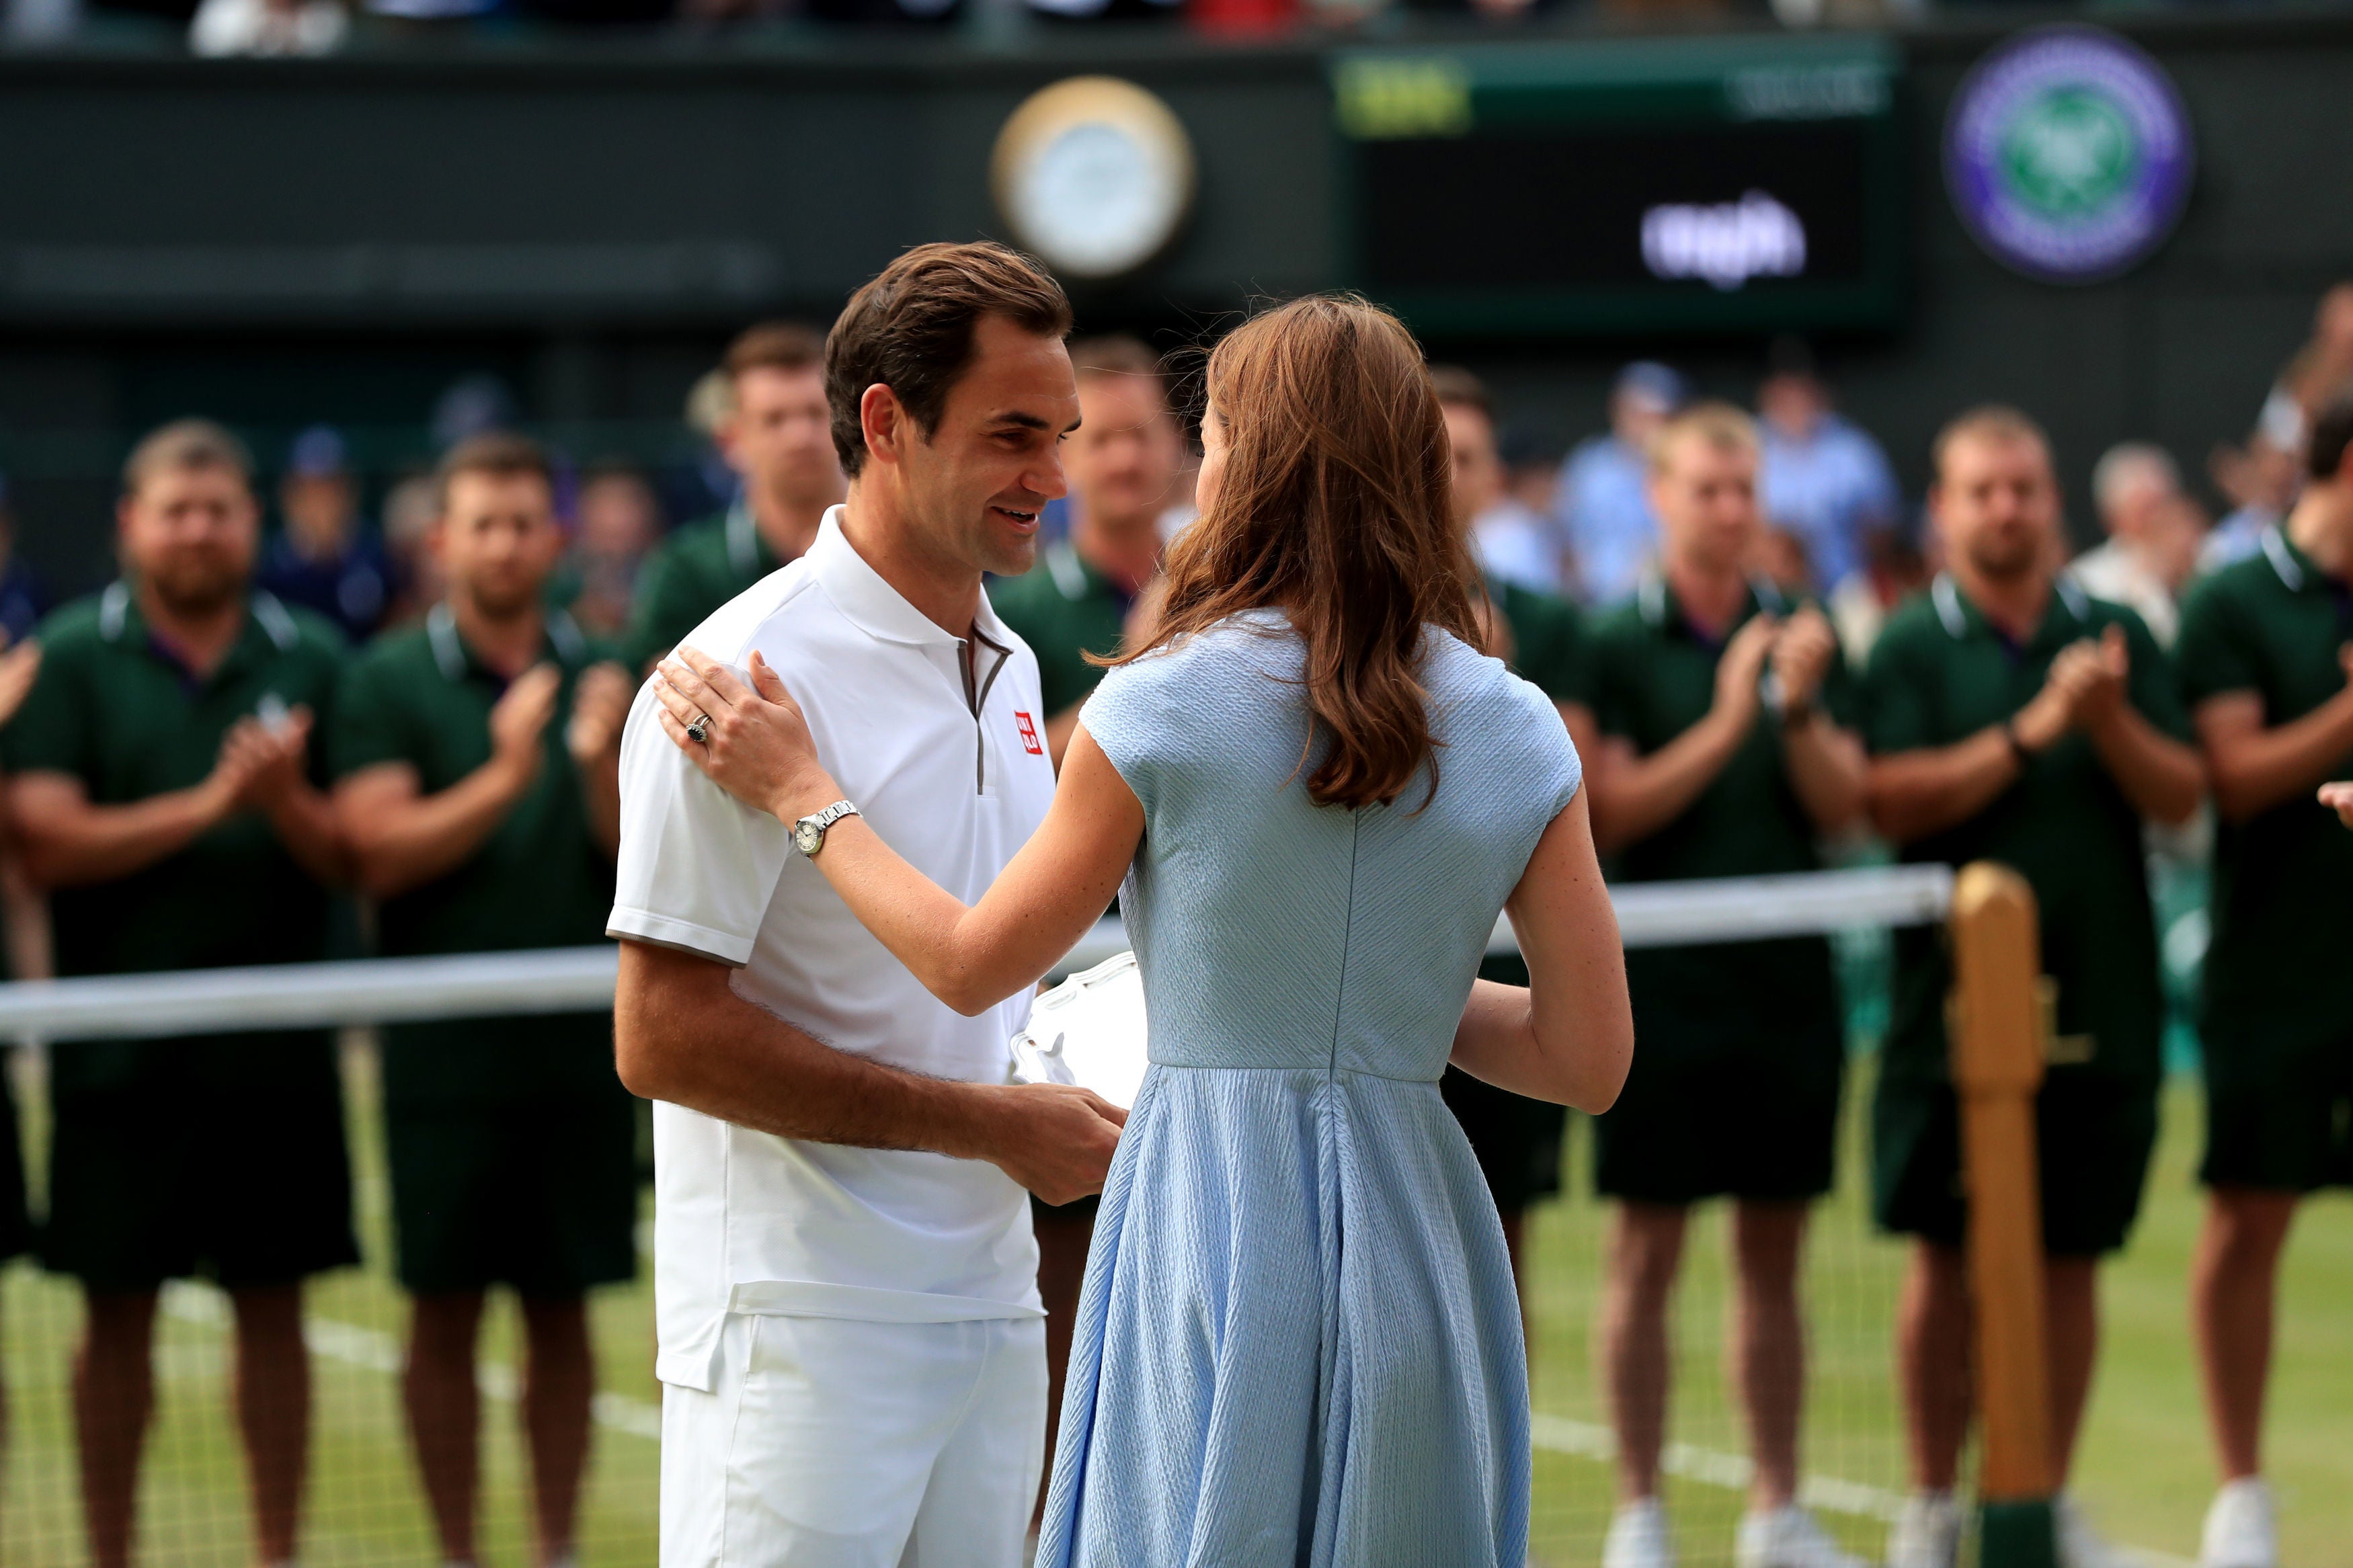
pixel 808 833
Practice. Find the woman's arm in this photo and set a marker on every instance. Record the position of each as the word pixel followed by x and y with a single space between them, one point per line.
pixel 760 751
pixel 1569 1036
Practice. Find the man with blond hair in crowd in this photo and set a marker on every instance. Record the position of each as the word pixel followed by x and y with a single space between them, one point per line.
pixel 2013 717
pixel 476 758
pixel 165 787
pixel 776 433
pixel 2153 536
pixel 2267 659
pixel 1727 750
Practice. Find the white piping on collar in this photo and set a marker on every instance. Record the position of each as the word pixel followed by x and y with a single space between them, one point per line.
pixel 1650 595
pixel 2276 552
pixel 1946 597
pixel 1070 574
pixel 742 536
pixel 275 620
pixel 450 649
pixel 114 610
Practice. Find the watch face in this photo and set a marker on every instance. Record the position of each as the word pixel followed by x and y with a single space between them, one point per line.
pixel 1095 175
pixel 807 838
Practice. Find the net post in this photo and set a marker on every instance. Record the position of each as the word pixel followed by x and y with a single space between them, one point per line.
pixel 1997 1065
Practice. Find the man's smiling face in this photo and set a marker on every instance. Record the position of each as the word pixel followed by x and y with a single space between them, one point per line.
pixel 978 483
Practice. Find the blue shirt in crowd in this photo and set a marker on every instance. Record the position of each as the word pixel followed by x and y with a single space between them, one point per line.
pixel 1829 489
pixel 1604 512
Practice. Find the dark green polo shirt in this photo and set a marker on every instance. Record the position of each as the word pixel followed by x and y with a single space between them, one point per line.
pixel 122 713
pixel 697 569
pixel 1654 677
pixel 1064 609
pixel 1547 640
pixel 1941 673
pixel 2283 914
pixel 420 696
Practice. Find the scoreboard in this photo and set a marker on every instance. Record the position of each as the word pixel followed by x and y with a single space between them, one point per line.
pixel 1725 185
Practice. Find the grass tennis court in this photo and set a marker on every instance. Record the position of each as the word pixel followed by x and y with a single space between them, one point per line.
pixel 2146 1472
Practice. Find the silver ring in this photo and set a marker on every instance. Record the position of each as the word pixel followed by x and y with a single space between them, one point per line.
pixel 700 731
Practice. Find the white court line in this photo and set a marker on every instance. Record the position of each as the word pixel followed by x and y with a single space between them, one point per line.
pixel 1714 1466
pixel 375 1351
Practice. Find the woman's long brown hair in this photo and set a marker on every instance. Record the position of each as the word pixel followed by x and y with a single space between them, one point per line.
pixel 1334 507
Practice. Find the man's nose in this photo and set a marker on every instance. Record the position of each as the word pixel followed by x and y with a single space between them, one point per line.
pixel 1047 478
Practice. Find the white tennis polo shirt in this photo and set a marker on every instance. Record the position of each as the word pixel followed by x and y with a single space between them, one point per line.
pixel 947 763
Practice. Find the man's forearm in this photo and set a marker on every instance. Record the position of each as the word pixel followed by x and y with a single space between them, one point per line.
pixel 305 822
pixel 2254 772
pixel 714 1052
pixel 1828 771
pixel 69 843
pixel 1917 792
pixel 407 843
pixel 2158 775
pixel 1638 795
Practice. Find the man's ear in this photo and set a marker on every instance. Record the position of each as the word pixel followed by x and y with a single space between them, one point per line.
pixel 883 419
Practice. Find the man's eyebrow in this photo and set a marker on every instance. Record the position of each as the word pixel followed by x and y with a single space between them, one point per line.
pixel 1026 421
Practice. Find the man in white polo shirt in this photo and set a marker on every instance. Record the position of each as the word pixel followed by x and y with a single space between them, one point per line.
pixel 845 1279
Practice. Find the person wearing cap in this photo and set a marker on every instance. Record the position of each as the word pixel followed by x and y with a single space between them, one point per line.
pixel 776 435
pixel 1603 506
pixel 166 792
pixel 1825 481
pixel 321 560
pixel 2013 717
pixel 1727 721
pixel 2265 667
pixel 477 761
pixel 1542 636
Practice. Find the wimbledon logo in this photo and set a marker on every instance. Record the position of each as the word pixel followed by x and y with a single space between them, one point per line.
pixel 2068 154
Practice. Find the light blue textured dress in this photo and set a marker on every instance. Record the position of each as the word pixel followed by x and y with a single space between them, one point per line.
pixel 1298 1342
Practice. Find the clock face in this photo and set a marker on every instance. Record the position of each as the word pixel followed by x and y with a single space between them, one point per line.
pixel 1095 175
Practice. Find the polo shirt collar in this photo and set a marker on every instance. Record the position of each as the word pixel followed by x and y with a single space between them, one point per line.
pixel 877 609
pixel 266 621
pixel 1961 618
pixel 561 638
pixel 1661 611
pixel 2295 568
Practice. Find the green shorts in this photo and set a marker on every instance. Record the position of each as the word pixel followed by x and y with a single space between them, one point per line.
pixel 539 1193
pixel 1749 1117
pixel 2279 1113
pixel 1515 1140
pixel 2092 1139
pixel 174 1169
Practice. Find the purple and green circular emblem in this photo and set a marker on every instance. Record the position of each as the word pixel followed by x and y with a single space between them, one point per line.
pixel 2068 154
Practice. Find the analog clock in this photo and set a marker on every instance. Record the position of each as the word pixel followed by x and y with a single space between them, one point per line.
pixel 1094 175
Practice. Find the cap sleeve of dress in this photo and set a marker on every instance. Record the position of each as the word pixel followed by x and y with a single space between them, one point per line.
pixel 1560 772
pixel 1129 717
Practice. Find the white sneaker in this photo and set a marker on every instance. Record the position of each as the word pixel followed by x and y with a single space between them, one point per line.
pixel 2080 1546
pixel 2241 1531
pixel 1638 1537
pixel 1787 1537
pixel 1928 1533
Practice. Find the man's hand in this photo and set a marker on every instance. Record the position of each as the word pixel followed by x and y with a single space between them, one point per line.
pixel 600 706
pixel 1802 655
pixel 19 666
pixel 2338 798
pixel 519 717
pixel 1053 1139
pixel 2053 711
pixel 267 760
pixel 1743 664
pixel 2096 673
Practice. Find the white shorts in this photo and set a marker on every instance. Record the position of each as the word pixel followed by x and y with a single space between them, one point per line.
pixel 832 1442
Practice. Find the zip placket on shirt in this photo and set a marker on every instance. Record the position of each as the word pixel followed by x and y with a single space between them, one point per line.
pixel 976 698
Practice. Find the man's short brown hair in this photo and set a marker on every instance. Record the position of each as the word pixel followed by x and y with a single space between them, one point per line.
pixel 1458 388
pixel 773 345
pixel 1986 421
pixel 1717 424
pixel 181 445
pixel 911 327
pixel 501 454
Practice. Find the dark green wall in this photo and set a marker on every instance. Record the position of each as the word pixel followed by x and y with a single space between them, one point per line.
pixel 274 242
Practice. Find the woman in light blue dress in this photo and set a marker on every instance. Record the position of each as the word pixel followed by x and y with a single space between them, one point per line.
pixel 1298 1342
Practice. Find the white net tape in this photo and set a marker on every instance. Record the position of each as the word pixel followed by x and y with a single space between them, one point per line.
pixel 558 980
